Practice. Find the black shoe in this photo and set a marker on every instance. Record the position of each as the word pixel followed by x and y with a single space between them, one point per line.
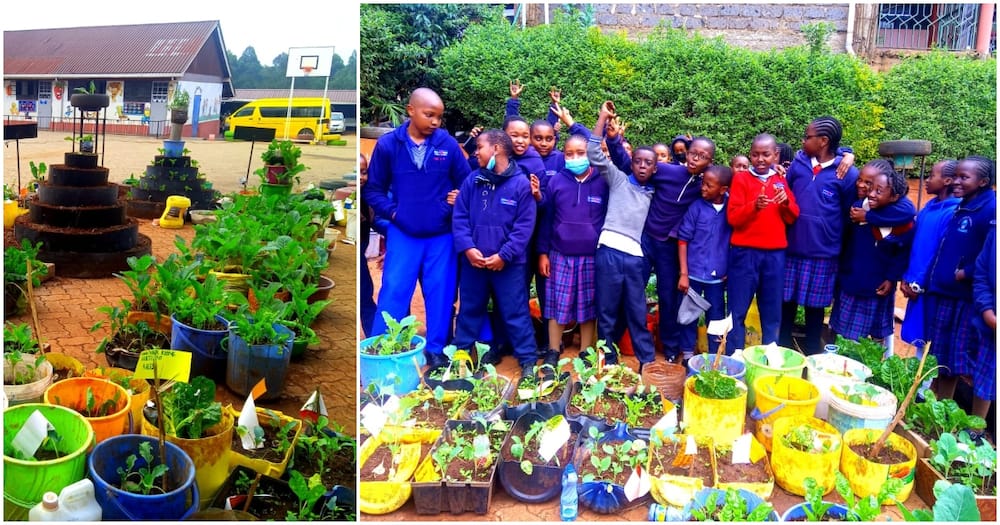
pixel 675 359
pixel 492 357
pixel 550 364
pixel 527 370
pixel 610 358
pixel 436 360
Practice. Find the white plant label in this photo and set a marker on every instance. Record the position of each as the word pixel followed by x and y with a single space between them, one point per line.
pixel 720 327
pixel 691 448
pixel 553 436
pixel 775 357
pixel 667 425
pixel 637 485
pixel 741 449
pixel 373 418
pixel 29 438
pixel 248 420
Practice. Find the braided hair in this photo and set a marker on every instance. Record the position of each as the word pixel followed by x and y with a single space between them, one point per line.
pixel 830 128
pixel 894 178
pixel 986 169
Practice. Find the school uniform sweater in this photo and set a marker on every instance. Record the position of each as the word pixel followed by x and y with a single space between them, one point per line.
pixel 628 201
pixel 418 195
pixel 824 204
pixel 962 241
pixel 761 229
pixel 574 213
pixel 706 232
pixel 930 225
pixel 873 256
pixel 984 281
pixel 495 213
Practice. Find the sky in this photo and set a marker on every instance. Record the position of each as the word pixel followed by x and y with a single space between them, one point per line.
pixel 270 32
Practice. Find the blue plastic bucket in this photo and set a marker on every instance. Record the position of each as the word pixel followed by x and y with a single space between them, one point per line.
pixel 208 358
pixel 700 501
pixel 396 371
pixel 729 366
pixel 117 505
pixel 248 364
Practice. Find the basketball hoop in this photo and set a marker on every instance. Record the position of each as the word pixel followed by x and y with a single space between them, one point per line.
pixel 307 70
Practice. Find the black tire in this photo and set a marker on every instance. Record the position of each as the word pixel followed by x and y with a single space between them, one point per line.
pixel 891 148
pixel 305 134
pixel 373 132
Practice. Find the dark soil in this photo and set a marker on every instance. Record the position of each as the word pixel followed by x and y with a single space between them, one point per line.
pixel 888 455
pixel 461 469
pixel 745 473
pixel 44 454
pixel 337 470
pixel 587 467
pixel 609 408
pixel 473 404
pixel 431 414
pixel 381 456
pixel 700 466
pixel 531 450
pixel 551 397
pixel 269 452
pixel 270 502
pixel 133 343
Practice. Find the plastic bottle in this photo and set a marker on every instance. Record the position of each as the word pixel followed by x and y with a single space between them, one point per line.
pixel 831 349
pixel 568 499
pixel 74 503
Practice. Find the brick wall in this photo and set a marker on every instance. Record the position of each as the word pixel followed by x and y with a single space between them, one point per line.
pixel 753 26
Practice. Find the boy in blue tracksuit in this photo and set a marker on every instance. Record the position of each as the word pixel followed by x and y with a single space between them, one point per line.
pixel 493 222
pixel 413 177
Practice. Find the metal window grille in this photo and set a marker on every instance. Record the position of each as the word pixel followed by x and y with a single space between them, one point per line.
pixel 160 90
pixel 927 26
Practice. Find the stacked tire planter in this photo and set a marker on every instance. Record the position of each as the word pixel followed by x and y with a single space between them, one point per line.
pixel 168 176
pixel 80 221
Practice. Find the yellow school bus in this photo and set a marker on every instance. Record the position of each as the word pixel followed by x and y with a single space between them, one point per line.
pixel 309 118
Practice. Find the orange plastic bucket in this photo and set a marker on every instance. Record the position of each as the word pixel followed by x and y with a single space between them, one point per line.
pixel 72 393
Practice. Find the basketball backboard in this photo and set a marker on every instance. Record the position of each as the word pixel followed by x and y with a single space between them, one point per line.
pixel 309 61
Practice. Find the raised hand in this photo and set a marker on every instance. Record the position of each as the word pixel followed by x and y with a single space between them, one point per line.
pixel 564 115
pixel 515 88
pixel 555 95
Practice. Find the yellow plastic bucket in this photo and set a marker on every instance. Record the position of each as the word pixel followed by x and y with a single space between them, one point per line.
pixel 383 497
pixel 764 489
pixel 757 366
pixel 722 419
pixel 780 396
pixel 64 366
pixel 263 466
pixel 209 453
pixel 10 212
pixel 792 466
pixel 72 393
pixel 672 489
pixel 865 476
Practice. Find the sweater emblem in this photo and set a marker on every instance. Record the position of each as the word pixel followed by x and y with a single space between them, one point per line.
pixel 508 202
pixel 778 185
pixel 965 224
pixel 440 153
pixel 594 199
pixel 827 193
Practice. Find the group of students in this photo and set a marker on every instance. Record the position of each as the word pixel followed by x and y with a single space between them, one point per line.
pixel 589 223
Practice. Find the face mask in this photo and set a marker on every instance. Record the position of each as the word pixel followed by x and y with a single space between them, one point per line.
pixel 680 157
pixel 577 166
pixel 492 163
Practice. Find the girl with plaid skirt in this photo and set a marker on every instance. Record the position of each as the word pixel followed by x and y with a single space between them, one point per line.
pixel 950 308
pixel 576 201
pixel 874 259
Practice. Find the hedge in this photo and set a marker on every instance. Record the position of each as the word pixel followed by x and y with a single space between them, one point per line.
pixel 671 83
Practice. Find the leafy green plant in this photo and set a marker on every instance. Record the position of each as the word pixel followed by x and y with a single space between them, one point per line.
pixel 180 100
pixel 92 409
pixel 713 384
pixel 954 502
pixel 8 193
pixel 397 337
pixel 258 315
pixel 868 508
pixel 816 35
pixel 646 400
pixel 815 508
pixel 20 347
pixel 284 153
pixel 38 171
pixel 308 493
pixel 257 434
pixel 805 438
pixel 934 417
pixel 964 461
pixel 87 91
pixel 15 264
pixel 732 508
pixel 611 459
pixel 488 391
pixel 143 480
pixel 519 444
pixel 314 443
pixel 190 408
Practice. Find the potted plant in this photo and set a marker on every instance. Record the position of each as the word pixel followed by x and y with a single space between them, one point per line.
pixel 488 397
pixel 814 508
pixel 930 419
pixel 534 455
pixel 954 502
pixel 26 373
pixel 393 359
pixel 273 442
pixel 256 496
pixel 104 403
pixel 604 461
pixel 260 345
pixel 142 280
pixel 126 340
pixel 730 505
pixel 541 392
pixel 86 142
pixel 679 466
pixel 302 314
pixel 755 476
pixel 458 373
pixel 16 260
pixel 179 106
pixel 87 98
pixel 458 474
pixel 803 447
pixel 714 404
pixel 327 452
pixel 281 167
pixel 388 462
pixel 960 459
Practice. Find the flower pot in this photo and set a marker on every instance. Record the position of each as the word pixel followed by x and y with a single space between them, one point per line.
pixel 31 392
pixel 210 453
pixel 90 101
pixel 927 475
pixel 723 419
pixel 72 393
pixel 780 396
pixel 383 497
pixel 729 366
pixel 24 482
pixel 866 476
pixel 401 371
pixel 64 366
pixel 601 496
pixel 757 366
pixel 545 481
pixel 173 148
pixel 764 489
pixel 178 503
pixel 179 116
pixel 833 370
pixel 268 468
pixel 247 364
pixel 797 512
pixel 671 488
pixel 208 358
pixel 793 466
pixel 515 409
pixel 159 323
pixel 299 347
pixel 268 189
pixel 138 390
pixel 667 377
pixel 845 415
pixel 322 293
pixel 464 385
pixel 701 500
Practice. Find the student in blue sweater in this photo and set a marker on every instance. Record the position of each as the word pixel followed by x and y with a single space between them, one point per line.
pixel 703 252
pixel 543 136
pixel 950 306
pixel 493 222
pixel 984 288
pixel 576 203
pixel 874 260
pixel 621 267
pixel 930 225
pixel 413 177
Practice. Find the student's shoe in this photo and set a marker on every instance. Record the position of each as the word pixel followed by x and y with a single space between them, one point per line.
pixel 610 358
pixel 436 360
pixel 492 357
pixel 527 370
pixel 675 359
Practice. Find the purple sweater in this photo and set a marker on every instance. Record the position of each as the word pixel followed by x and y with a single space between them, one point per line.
pixel 574 214
pixel 496 214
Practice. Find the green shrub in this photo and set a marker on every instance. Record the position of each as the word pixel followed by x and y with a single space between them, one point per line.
pixel 947 99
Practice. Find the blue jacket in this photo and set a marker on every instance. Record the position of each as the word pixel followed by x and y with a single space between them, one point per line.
pixel 869 259
pixel 931 223
pixel 706 232
pixel 528 163
pixel 496 214
pixel 574 214
pixel 963 239
pixel 984 280
pixel 416 196
pixel 824 207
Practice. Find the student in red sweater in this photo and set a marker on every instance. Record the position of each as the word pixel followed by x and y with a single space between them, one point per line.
pixel 760 208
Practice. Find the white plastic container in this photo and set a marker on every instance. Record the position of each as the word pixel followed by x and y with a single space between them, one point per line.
pixel 833 370
pixel 74 503
pixel 845 415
